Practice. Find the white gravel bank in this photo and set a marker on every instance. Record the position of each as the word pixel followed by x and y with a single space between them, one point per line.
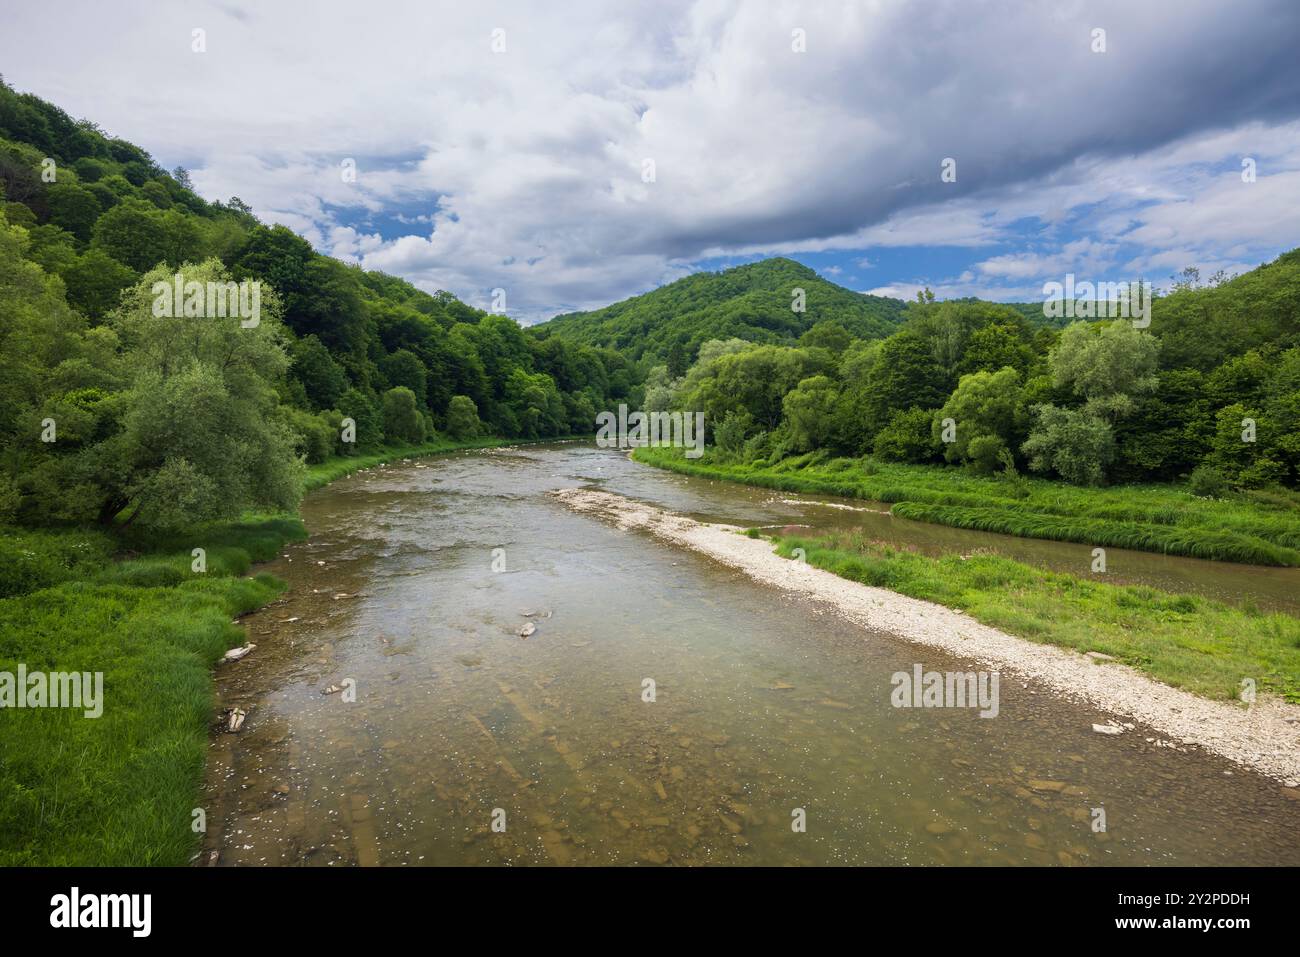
pixel 1260 737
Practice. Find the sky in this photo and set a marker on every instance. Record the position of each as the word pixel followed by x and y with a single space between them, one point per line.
pixel 573 154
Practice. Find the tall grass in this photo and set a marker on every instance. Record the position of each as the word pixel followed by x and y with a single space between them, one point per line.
pixel 1154 518
pixel 1186 641
pixel 119 789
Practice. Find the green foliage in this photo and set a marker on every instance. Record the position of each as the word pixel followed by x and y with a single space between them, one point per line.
pixel 462 418
pixel 323 380
pixel 1076 444
pixel 990 418
pixel 73 209
pixel 1105 365
pixel 1170 519
pixel 752 302
pixel 808 412
pixel 730 434
pixel 369 424
pixel 95 282
pixel 907 438
pixel 903 373
pixel 1207 482
pixel 1161 634
pixel 754 380
pixel 402 420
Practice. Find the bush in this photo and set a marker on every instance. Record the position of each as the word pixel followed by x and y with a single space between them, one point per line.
pixel 1207 482
pixel 402 419
pixel 462 418
pixel 314 434
pixel 907 438
pixel 729 434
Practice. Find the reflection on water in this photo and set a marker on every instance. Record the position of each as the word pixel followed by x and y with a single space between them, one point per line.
pixel 763 705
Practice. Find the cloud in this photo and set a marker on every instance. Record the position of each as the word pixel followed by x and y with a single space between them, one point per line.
pixel 525 169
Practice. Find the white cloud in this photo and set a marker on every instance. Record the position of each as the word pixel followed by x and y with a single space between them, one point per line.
pixel 524 169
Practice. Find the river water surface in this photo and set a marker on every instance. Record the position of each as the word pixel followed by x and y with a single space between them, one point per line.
pixel 412 591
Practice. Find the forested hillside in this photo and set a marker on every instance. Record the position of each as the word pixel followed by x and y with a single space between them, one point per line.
pixel 751 302
pixel 1210 390
pixel 110 411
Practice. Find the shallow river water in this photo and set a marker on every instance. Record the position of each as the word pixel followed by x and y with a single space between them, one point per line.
pixel 411 592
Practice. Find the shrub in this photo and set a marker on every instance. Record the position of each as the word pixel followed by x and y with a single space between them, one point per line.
pixel 1207 482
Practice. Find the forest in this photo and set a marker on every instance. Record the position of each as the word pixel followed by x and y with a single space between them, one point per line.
pixel 1208 394
pixel 96 386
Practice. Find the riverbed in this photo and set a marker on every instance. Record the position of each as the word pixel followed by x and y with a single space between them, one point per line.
pixel 454 740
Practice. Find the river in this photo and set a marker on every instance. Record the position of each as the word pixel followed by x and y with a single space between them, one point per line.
pixel 455 741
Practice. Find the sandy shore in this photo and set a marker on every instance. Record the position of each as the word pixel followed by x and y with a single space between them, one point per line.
pixel 1260 737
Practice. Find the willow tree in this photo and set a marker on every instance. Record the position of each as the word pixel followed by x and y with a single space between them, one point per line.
pixel 198 437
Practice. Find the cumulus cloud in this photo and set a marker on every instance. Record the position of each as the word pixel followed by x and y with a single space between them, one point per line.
pixel 526 167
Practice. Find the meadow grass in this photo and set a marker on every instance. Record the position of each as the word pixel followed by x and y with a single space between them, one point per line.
pixel 119 789
pixel 1189 642
pixel 1153 518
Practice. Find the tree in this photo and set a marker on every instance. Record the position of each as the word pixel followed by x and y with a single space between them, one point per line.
pixel 989 415
pixel 323 380
pixel 677 361
pixel 134 234
pixel 902 374
pixel 1075 443
pixel 197 435
pixel 368 421
pixel 755 380
pixel 907 437
pixel 402 419
pixel 73 208
pixel 808 412
pixel 95 282
pixel 827 335
pixel 1106 365
pixel 462 418
pixel 404 368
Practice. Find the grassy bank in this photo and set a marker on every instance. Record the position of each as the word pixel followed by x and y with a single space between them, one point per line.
pixel 1186 641
pixel 119 789
pixel 1153 518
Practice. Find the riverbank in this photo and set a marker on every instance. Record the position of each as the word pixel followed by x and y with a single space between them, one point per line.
pixel 121 789
pixel 1259 528
pixel 1262 737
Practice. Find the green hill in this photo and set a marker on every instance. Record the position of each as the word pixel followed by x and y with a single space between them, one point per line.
pixel 89 222
pixel 750 302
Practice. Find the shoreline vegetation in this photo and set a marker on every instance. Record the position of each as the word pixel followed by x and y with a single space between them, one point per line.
pixel 1014 616
pixel 119 790
pixel 1166 519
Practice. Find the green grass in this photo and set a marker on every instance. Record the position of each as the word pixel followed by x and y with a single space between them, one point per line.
pixel 119 789
pixel 1186 641
pixel 1154 518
